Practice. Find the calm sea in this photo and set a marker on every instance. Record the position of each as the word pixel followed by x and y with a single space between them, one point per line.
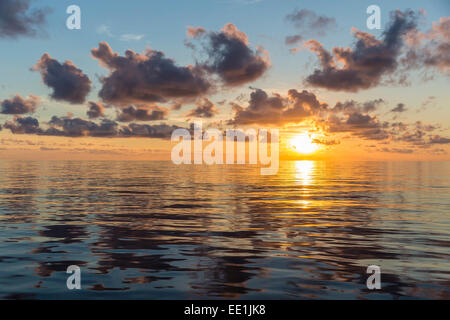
pixel 153 230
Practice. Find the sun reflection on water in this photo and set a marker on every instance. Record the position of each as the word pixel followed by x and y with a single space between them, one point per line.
pixel 304 171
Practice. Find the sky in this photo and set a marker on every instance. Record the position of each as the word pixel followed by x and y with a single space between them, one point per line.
pixel 137 70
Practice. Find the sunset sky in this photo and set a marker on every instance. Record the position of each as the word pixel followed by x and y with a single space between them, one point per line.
pixel 137 70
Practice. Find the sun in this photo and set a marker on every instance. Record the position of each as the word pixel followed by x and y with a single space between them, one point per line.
pixel 303 143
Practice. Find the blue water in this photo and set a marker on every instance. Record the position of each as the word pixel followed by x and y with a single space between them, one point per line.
pixel 153 230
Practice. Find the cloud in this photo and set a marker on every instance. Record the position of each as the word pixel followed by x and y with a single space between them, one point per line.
pixel 276 109
pixel 397 150
pixel 326 142
pixel 291 40
pixel 230 56
pixel 353 117
pixel 21 125
pixel 364 65
pixel 360 125
pixel 17 19
pixel 349 117
pixel 104 29
pixel 352 106
pixel 399 108
pixel 195 31
pixel 67 81
pixel 436 139
pixel 96 110
pixel 19 105
pixel 68 127
pixel 162 131
pixel 262 109
pixel 430 49
pixel 205 109
pixel 147 78
pixel 131 37
pixel 132 114
pixel 417 135
pixel 308 23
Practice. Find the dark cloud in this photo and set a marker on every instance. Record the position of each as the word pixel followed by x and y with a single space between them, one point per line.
pixel 230 56
pixel 354 118
pixel 18 19
pixel 350 117
pixel 277 110
pixel 415 134
pixel 291 40
pixel 415 137
pixel 21 125
pixel 308 23
pixel 364 65
pixel 360 125
pixel 19 105
pixel 77 127
pixel 262 109
pixel 205 109
pixel 399 108
pixel 67 81
pixel 147 78
pixel 430 49
pixel 436 139
pixel 352 106
pixel 96 110
pixel 138 114
pixel 67 127
pixel 397 150
pixel 162 131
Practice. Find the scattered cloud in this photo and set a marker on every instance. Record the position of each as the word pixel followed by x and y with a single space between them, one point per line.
pixel 397 150
pixel 131 37
pixel 95 110
pixel 139 114
pixel 364 65
pixel 195 31
pixel 21 125
pixel 399 108
pixel 205 109
pixel 18 19
pixel 19 105
pixel 104 30
pixel 436 139
pixel 68 127
pixel 309 22
pixel 67 81
pixel 276 109
pixel 291 40
pixel 147 78
pixel 229 55
pixel 430 49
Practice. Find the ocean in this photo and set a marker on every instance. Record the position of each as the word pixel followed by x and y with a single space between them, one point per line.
pixel 155 230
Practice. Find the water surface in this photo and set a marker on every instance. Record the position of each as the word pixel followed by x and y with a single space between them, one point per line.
pixel 153 230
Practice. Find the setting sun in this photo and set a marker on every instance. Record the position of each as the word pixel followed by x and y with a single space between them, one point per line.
pixel 303 143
